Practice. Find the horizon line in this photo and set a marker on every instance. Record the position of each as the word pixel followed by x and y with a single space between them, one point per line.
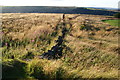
pixel 57 6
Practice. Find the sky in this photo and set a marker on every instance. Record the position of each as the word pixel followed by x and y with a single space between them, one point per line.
pixel 77 3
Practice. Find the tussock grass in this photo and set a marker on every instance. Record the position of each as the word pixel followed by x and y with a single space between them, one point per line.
pixel 90 47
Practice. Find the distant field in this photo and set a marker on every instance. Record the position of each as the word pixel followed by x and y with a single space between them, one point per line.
pixel 113 22
pixel 89 47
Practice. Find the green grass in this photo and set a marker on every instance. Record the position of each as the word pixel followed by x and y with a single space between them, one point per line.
pixel 113 22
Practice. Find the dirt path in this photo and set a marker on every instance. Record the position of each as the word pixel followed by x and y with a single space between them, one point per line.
pixel 56 51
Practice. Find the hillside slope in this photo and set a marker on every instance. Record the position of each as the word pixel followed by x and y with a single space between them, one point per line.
pixel 48 9
pixel 89 46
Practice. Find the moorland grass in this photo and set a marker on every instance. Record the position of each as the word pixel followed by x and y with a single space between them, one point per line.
pixel 85 55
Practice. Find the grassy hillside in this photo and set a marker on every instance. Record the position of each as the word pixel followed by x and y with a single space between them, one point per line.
pixel 50 9
pixel 113 22
pixel 81 46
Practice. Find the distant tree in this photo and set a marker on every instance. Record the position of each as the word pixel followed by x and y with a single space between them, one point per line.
pixel 117 15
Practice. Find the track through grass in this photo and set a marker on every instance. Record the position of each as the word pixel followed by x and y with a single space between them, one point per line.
pixel 89 47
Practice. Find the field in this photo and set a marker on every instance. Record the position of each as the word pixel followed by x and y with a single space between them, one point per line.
pixel 40 46
pixel 113 22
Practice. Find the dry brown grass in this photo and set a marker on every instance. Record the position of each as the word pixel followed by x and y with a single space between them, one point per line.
pixel 91 46
pixel 22 25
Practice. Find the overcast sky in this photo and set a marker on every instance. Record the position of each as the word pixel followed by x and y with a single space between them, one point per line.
pixel 78 3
